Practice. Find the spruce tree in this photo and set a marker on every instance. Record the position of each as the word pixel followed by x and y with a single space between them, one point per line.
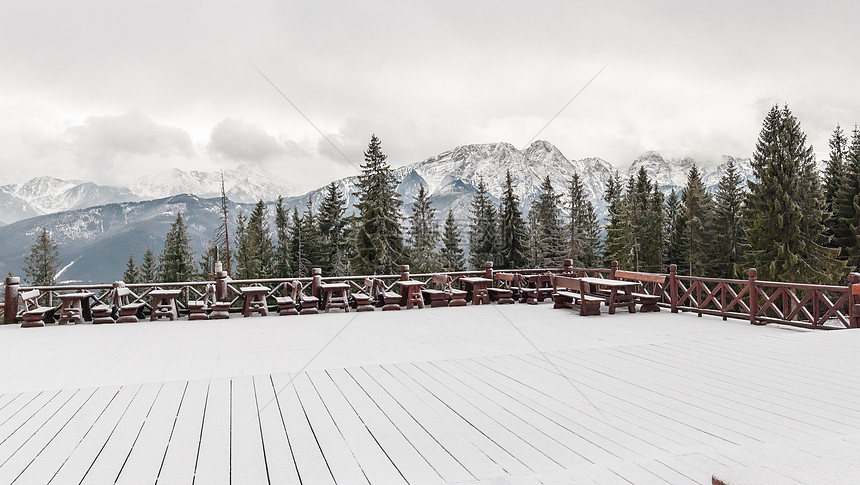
pixel 331 229
pixel 483 228
pixel 177 260
pixel 257 243
pixel 311 246
pixel 697 207
pixel 726 234
pixel 645 217
pixel 131 273
pixel 282 241
pixel 43 261
pixel 783 211
pixel 833 171
pixel 512 230
pixel 578 226
pixel 591 252
pixel 675 225
pixel 423 235
pixel 207 260
pixel 552 242
pixel 846 206
pixel 148 270
pixel 242 256
pixel 619 241
pixel 378 239
pixel 452 254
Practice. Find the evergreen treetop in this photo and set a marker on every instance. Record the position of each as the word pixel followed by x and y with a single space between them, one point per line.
pixel 452 254
pixel 43 261
pixel 512 231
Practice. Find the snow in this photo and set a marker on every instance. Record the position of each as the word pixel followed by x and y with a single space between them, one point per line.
pixel 441 395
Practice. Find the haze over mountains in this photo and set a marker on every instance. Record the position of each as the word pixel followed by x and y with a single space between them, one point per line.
pixel 98 226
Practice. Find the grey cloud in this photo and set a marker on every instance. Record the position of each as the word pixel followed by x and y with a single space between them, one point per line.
pixel 107 138
pixel 240 141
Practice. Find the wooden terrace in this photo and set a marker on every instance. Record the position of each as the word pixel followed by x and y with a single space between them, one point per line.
pixel 489 394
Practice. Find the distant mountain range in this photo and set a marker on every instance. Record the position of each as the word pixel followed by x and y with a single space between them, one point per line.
pixel 98 226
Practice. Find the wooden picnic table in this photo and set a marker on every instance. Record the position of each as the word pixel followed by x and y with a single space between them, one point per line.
pixel 411 291
pixel 620 292
pixel 255 300
pixel 164 304
pixel 476 289
pixel 535 288
pixel 75 307
pixel 335 295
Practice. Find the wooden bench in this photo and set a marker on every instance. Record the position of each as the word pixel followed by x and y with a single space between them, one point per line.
pixel 362 299
pixel 33 314
pixel 504 291
pixel 197 308
pixel 287 302
pixel 127 311
pixel 437 294
pixel 569 292
pixel 308 304
pixel 647 300
pixel 388 300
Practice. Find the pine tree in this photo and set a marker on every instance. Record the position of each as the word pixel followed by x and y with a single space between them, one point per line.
pixel 726 235
pixel 148 270
pixel 222 234
pixel 242 257
pixel 131 274
pixel 423 235
pixel 331 229
pixel 552 242
pixel 697 207
pixel 452 254
pixel 833 171
pixel 177 260
pixel 207 260
pixel 591 252
pixel 378 239
pixel 783 211
pixel 483 234
pixel 282 241
pixel 846 206
pixel 299 261
pixel 619 242
pixel 512 230
pixel 645 217
pixel 43 262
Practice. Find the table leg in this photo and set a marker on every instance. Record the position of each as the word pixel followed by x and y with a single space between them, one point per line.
pixel 631 305
pixel 612 293
pixel 86 310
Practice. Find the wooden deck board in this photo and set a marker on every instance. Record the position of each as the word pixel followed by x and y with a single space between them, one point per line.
pixel 279 454
pixel 213 458
pixel 181 454
pixel 247 458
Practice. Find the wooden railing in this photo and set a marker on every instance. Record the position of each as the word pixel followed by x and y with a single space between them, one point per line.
pixel 760 302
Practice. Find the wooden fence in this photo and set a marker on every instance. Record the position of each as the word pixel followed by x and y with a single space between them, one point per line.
pixel 760 302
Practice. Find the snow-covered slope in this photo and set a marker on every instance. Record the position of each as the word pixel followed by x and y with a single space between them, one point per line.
pixel 245 184
pixel 672 173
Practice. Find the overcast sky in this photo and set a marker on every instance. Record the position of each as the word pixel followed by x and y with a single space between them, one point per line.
pixel 106 90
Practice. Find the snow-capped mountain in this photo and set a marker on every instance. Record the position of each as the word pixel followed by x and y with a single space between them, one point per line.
pixel 46 195
pixel 245 184
pixel 672 173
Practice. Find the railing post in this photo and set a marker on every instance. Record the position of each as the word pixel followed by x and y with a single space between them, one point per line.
pixel 404 272
pixel 221 286
pixel 753 292
pixel 315 283
pixel 11 309
pixel 567 266
pixel 488 270
pixel 853 300
pixel 612 268
pixel 673 287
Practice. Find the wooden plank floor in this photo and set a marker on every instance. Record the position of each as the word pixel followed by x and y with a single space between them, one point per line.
pixel 666 411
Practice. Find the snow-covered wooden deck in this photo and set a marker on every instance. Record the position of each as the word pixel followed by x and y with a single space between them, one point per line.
pixel 511 394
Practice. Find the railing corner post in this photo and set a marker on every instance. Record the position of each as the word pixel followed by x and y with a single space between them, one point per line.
pixel 11 294
pixel 316 281
pixel 404 272
pixel 488 270
pixel 673 287
pixel 753 292
pixel 854 300
pixel 221 286
pixel 567 266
